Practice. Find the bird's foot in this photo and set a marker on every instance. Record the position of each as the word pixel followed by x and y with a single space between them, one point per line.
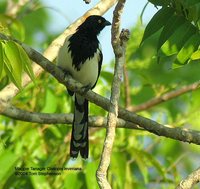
pixel 66 72
pixel 86 88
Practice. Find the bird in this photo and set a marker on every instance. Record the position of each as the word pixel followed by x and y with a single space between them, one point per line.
pixel 81 57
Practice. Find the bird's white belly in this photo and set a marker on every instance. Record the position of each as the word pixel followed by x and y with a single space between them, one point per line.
pixel 88 73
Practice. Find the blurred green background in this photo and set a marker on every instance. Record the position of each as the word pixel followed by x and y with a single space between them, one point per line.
pixel 140 159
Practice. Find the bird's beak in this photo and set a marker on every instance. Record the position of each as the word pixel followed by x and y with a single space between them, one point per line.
pixel 107 23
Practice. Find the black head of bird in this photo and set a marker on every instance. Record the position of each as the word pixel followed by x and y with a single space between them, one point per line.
pixel 93 25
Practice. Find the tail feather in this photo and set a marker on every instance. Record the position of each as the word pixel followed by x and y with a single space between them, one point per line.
pixel 79 138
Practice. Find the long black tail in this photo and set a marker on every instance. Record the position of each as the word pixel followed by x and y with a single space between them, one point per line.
pixel 79 138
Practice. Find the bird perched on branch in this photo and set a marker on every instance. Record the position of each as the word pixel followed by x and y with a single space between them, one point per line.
pixel 81 57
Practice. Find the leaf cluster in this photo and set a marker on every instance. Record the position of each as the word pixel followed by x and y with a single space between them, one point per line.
pixel 13 61
pixel 177 24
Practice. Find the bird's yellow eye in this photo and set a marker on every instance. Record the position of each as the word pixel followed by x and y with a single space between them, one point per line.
pixel 99 21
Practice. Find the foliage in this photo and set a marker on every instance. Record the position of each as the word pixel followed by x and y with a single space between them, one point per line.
pixel 14 60
pixel 140 160
pixel 177 23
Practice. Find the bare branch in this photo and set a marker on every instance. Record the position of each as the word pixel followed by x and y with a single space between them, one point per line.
pixel 49 118
pixel 14 7
pixel 185 135
pixel 126 88
pixel 119 47
pixel 168 96
pixel 51 52
pixel 190 181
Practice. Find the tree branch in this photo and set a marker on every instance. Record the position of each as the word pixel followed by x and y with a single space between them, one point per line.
pixel 126 88
pixel 168 96
pixel 49 118
pixel 119 46
pixel 190 181
pixel 51 52
pixel 14 7
pixel 185 135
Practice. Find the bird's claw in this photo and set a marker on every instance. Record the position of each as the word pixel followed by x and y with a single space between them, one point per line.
pixel 86 88
pixel 66 73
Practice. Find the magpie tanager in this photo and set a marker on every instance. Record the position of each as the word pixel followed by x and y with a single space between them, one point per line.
pixel 81 57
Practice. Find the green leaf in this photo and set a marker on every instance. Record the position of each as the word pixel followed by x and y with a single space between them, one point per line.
pixel 90 172
pixel 177 40
pixel 13 64
pixel 194 13
pixel 20 131
pixel 26 62
pixel 107 76
pixel 50 102
pixel 157 22
pixel 129 179
pixel 196 55
pixel 9 71
pixel 191 2
pixel 142 166
pixel 188 49
pixel 55 132
pixel 8 161
pixel 118 165
pixel 4 80
pixel 1 59
pixel 174 22
pixel 73 180
pixel 4 20
pixel 12 26
pixel 159 2
pixel 17 30
pixel 38 181
pixel 155 163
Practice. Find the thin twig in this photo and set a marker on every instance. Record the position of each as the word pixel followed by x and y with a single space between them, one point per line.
pixel 119 46
pixel 168 96
pixel 172 166
pixel 190 181
pixel 126 88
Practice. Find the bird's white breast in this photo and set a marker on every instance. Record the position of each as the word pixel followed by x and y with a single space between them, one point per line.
pixel 88 73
